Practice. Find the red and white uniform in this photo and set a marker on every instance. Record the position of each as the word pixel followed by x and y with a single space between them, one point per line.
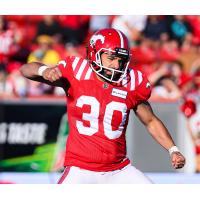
pixel 98 115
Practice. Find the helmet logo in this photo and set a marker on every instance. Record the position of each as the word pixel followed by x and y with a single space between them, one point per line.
pixel 95 38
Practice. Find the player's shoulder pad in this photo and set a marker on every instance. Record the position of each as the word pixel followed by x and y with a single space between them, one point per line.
pixel 134 79
pixel 67 61
pixel 143 80
pixel 143 89
pixel 65 66
pixel 79 67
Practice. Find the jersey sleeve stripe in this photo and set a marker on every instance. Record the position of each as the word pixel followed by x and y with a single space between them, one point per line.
pixel 132 74
pixel 74 64
pixel 139 77
pixel 84 71
pixel 80 71
pixel 88 74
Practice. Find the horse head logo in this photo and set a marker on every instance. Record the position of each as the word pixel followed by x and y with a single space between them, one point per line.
pixel 95 38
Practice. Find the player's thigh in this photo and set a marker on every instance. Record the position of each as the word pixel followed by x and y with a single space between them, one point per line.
pixel 75 175
pixel 129 175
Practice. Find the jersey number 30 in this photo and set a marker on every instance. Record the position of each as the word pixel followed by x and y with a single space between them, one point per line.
pixel 93 117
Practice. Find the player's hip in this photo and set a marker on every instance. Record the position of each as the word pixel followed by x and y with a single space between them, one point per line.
pixel 97 166
pixel 126 175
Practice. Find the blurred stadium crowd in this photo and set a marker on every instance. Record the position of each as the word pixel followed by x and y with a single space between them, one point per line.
pixel 166 48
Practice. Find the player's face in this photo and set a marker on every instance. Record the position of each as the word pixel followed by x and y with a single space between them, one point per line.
pixel 110 61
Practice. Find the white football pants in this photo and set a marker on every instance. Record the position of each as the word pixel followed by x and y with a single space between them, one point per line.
pixel 127 175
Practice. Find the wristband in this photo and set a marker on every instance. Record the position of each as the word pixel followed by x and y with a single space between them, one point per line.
pixel 41 69
pixel 173 149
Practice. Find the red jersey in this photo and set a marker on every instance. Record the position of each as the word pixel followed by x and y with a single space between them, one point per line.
pixel 98 114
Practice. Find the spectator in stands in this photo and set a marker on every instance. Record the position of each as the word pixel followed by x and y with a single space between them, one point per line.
pixel 156 28
pixel 194 130
pixel 98 22
pixel 2 29
pixel 187 44
pixel 180 28
pixel 194 21
pixel 164 80
pixel 144 53
pixel 169 50
pixel 16 84
pixel 44 51
pixel 11 38
pixel 74 28
pixel 197 79
pixel 49 26
pixel 2 82
pixel 6 42
pixel 191 110
pixel 194 91
pixel 177 73
pixel 131 25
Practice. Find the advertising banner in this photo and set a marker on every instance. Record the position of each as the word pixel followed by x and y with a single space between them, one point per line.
pixel 32 136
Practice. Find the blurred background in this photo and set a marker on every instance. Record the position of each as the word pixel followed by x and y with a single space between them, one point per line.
pixel 33 122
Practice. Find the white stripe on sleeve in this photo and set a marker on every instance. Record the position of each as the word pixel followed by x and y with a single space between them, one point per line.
pixel 139 77
pixel 132 80
pixel 89 71
pixel 74 64
pixel 80 71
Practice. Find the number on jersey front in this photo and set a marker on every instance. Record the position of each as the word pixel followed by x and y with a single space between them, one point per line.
pixel 93 117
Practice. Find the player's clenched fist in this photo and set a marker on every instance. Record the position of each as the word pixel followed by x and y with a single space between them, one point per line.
pixel 52 74
pixel 178 160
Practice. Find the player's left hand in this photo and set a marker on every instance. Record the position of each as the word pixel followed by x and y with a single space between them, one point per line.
pixel 177 160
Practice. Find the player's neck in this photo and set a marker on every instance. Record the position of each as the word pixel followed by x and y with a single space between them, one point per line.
pixel 99 78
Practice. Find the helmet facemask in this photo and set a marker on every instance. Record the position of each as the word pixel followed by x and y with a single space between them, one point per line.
pixel 116 74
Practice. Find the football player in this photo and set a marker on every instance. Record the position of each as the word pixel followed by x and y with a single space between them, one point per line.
pixel 100 91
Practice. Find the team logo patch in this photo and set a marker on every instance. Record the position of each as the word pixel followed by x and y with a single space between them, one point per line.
pixel 119 93
pixel 105 85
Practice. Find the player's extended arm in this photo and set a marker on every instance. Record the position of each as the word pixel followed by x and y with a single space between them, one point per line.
pixel 51 75
pixel 159 132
